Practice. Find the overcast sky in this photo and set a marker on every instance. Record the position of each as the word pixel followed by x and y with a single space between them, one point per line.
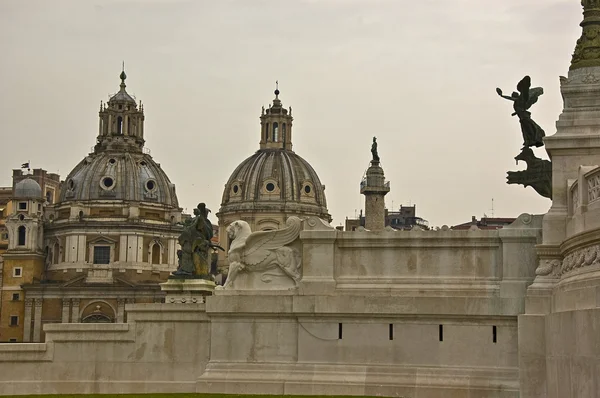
pixel 419 75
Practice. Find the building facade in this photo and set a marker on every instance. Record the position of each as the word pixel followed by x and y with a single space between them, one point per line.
pixel 107 236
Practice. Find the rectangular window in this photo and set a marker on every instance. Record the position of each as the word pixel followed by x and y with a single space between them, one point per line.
pixel 17 272
pixel 101 254
pixel 441 332
pixel 340 331
pixel 16 296
pixel 14 320
pixel 391 336
pixel 494 334
pixel 22 205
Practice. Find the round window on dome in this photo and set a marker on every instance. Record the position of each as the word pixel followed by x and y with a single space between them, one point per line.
pixel 270 187
pixel 307 189
pixel 236 188
pixel 142 163
pixel 71 184
pixel 107 182
pixel 112 161
pixel 150 185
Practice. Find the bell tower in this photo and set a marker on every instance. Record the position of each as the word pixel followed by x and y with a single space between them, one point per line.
pixel 121 122
pixel 276 125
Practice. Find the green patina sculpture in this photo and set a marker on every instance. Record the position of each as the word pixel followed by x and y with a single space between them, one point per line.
pixel 538 174
pixel 374 150
pixel 587 50
pixel 533 134
pixel 195 242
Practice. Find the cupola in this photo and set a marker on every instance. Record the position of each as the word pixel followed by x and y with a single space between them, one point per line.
pixel 121 122
pixel 276 125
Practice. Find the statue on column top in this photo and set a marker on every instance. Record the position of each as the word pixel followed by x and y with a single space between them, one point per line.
pixel 374 150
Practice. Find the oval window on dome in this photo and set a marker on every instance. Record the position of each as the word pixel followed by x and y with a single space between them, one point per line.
pixel 142 163
pixel 236 188
pixel 150 185
pixel 307 189
pixel 107 182
pixel 71 184
pixel 270 187
pixel 112 161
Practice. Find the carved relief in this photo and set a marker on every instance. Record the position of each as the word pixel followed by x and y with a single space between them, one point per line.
pixel 581 258
pixel 587 50
pixel 548 267
pixel 263 251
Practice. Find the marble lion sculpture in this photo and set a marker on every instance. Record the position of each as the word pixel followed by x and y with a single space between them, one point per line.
pixel 264 250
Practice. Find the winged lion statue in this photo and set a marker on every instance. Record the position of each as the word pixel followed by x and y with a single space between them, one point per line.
pixel 263 250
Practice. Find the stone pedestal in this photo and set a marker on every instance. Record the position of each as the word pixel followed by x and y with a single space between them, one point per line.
pixel 187 290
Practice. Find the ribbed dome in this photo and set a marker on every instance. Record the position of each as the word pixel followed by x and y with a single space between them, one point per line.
pixel 275 178
pixel 119 176
pixel 28 188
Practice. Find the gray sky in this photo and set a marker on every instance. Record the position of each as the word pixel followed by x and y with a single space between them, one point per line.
pixel 419 75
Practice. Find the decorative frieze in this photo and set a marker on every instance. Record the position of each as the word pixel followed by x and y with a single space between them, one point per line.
pixel 581 258
pixel 549 267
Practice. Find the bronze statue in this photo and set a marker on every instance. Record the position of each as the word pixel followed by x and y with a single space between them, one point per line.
pixel 533 134
pixel 538 174
pixel 195 242
pixel 374 150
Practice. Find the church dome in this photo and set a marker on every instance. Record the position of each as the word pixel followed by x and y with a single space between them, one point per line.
pixel 119 168
pixel 28 188
pixel 122 176
pixel 275 175
pixel 275 180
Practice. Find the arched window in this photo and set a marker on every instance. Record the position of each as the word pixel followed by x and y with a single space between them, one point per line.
pixel 22 235
pixel 275 132
pixel 119 125
pixel 283 133
pixel 267 132
pixel 156 253
pixel 96 318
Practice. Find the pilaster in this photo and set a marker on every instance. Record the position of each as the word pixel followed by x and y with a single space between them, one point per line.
pixel 75 311
pixel 66 310
pixel 120 310
pixel 37 323
pixel 27 321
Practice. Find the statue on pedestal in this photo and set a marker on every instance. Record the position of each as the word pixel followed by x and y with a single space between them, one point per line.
pixel 195 242
pixel 538 174
pixel 533 134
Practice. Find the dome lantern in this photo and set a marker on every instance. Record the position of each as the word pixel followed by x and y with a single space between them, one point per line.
pixel 276 125
pixel 121 122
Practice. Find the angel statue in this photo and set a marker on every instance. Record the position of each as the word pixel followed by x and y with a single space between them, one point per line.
pixel 263 250
pixel 522 101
